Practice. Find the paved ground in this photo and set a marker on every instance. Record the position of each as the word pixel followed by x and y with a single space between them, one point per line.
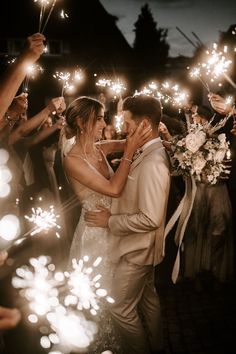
pixel 199 322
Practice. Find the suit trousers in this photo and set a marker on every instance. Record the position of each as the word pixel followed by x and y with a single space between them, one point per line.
pixel 136 311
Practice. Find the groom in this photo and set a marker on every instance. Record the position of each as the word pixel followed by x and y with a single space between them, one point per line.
pixel 136 222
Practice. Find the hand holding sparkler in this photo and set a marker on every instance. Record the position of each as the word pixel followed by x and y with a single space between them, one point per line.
pixel 17 108
pixel 16 72
pixel 34 48
pixel 57 105
pixel 46 9
pixel 19 105
pixel 220 104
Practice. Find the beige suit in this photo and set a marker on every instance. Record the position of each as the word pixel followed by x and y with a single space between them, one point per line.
pixel 137 244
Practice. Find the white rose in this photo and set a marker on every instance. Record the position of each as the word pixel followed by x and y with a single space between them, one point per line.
pixel 198 164
pixel 219 155
pixel 222 138
pixel 195 141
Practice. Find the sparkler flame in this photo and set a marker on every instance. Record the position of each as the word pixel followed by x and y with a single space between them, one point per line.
pixel 59 298
pixel 215 66
pixel 68 79
pixel 166 92
pixel 84 287
pixel 117 87
pixel 44 220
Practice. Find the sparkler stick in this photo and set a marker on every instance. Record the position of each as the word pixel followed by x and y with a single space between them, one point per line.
pixel 196 73
pixel 230 80
pixel 31 70
pixel 43 221
pixel 49 14
pixel 42 11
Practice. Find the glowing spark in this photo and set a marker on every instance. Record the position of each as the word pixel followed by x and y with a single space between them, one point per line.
pixel 119 121
pixel 68 79
pixel 44 220
pixel 84 288
pixel 72 329
pixel 11 61
pixel 103 82
pixel 229 100
pixel 63 14
pixel 117 87
pixel 167 93
pixel 31 72
pixel 44 289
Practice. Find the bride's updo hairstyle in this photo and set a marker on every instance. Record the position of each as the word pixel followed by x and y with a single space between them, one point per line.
pixel 86 110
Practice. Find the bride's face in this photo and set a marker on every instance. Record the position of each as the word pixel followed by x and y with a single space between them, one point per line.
pixel 99 125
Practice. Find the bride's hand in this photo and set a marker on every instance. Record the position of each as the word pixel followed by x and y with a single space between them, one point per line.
pixel 136 139
pixel 97 218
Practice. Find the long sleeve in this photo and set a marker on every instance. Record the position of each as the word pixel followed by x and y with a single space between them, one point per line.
pixel 152 189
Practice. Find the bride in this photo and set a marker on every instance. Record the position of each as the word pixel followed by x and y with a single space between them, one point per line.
pixel 92 178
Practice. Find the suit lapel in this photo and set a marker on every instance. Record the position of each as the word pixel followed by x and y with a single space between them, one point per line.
pixel 147 151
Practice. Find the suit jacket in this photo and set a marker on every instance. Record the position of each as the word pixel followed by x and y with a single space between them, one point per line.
pixel 138 217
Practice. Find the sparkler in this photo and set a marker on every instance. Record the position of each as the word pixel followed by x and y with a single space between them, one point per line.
pixel 63 14
pixel 119 121
pixel 196 74
pixel 84 288
pixel 215 66
pixel 166 92
pixel 117 87
pixel 31 72
pixel 39 285
pixel 43 7
pixel 68 80
pixel 59 298
pixel 44 220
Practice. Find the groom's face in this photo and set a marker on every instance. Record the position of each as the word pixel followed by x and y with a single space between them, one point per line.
pixel 130 122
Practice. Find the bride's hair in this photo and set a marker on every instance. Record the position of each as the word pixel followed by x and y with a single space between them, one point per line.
pixel 86 109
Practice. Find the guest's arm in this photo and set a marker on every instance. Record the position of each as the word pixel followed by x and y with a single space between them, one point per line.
pixel 220 105
pixel 44 133
pixel 56 104
pixel 16 72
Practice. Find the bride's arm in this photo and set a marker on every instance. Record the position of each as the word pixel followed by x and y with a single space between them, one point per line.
pixel 81 172
pixel 110 146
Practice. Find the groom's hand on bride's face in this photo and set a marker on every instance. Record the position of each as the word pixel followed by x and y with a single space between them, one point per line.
pixel 97 218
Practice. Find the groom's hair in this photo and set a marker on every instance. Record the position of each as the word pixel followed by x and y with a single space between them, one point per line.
pixel 143 105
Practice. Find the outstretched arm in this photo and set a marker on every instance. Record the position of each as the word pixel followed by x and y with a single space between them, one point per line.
pixel 15 74
pixel 56 104
pixel 44 133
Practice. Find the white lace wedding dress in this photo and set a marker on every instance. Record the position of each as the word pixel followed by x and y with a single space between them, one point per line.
pixel 93 242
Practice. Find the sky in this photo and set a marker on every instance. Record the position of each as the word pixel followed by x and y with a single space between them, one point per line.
pixel 206 18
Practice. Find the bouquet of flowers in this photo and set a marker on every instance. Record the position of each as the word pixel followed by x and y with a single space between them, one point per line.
pixel 201 153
